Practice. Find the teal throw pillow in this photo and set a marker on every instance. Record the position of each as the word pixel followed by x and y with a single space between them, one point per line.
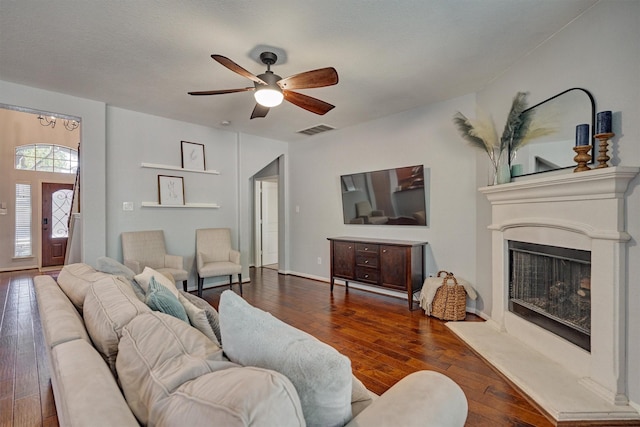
pixel 159 298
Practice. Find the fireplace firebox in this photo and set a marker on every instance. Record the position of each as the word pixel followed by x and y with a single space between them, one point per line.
pixel 550 286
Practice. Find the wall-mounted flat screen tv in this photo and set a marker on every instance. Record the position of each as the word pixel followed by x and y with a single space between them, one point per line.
pixel 386 197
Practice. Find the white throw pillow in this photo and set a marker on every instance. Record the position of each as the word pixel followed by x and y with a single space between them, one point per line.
pixel 198 319
pixel 321 375
pixel 146 275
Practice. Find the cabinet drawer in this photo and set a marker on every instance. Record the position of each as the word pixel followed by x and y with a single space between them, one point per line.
pixel 366 247
pixel 366 259
pixel 369 275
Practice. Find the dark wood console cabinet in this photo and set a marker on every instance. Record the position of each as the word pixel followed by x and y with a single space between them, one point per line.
pixel 392 264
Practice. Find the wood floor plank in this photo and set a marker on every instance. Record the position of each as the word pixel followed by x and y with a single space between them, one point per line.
pixel 27 412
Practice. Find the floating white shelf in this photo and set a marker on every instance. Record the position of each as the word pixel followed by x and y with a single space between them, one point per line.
pixel 186 205
pixel 176 168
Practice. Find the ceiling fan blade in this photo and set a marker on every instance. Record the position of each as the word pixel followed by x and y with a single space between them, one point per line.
pixel 308 103
pixel 220 92
pixel 310 79
pixel 237 69
pixel 259 111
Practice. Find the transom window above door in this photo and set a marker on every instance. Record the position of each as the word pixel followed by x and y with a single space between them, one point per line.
pixel 46 158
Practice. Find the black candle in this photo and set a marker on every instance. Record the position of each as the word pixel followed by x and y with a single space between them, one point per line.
pixel 582 134
pixel 603 122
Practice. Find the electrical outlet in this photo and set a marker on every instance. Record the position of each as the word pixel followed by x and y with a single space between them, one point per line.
pixel 319 260
pixel 127 206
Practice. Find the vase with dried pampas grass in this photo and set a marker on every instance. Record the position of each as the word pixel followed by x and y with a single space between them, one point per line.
pixel 481 133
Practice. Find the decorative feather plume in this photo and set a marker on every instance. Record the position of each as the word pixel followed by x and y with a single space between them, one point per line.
pixel 472 135
pixel 517 124
pixel 538 132
pixel 484 129
pixel 539 125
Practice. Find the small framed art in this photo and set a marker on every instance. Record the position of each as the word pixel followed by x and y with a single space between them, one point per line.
pixel 170 190
pixel 193 156
pixel 348 183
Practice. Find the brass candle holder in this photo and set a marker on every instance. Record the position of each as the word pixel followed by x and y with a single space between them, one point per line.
pixel 582 157
pixel 603 157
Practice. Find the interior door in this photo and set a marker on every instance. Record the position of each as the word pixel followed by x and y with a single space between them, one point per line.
pixel 56 206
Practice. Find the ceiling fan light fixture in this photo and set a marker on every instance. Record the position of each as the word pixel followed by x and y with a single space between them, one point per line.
pixel 268 96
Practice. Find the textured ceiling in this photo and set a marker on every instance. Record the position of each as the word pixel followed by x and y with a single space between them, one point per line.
pixel 391 55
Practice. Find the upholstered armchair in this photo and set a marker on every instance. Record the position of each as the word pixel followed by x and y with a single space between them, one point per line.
pixel 215 256
pixel 142 249
pixel 370 216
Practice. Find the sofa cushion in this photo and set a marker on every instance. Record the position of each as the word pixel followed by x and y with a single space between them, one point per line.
pixel 60 319
pixel 157 354
pixel 198 319
pixel 210 312
pixel 144 278
pixel 360 397
pixel 321 375
pixel 110 304
pixel 75 279
pixel 159 298
pixel 234 397
pixel 86 392
pixel 111 266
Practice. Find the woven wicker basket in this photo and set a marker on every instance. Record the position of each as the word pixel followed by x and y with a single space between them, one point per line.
pixel 450 301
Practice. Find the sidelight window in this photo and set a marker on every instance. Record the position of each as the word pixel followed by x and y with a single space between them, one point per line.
pixel 22 243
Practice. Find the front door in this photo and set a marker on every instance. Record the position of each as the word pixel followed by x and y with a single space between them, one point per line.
pixel 56 207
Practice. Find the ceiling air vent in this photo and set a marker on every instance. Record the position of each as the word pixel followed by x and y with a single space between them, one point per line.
pixel 316 129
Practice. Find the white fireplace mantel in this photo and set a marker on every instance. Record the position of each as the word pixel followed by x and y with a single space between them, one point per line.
pixel 584 210
pixel 602 183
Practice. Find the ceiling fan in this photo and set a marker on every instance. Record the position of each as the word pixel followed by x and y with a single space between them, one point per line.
pixel 270 89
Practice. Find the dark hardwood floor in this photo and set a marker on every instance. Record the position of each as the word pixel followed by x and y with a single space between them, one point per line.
pixel 384 340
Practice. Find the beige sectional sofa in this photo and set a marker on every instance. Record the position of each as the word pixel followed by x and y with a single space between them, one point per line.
pixel 115 361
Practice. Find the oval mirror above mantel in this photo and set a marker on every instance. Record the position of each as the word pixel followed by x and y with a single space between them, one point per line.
pixel 562 113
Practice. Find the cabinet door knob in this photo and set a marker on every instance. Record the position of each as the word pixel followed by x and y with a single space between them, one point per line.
pixel 366 262
pixel 384 251
pixel 366 276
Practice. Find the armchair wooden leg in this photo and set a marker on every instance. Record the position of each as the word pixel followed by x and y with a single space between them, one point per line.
pixel 200 283
pixel 231 281
pixel 184 285
pixel 240 282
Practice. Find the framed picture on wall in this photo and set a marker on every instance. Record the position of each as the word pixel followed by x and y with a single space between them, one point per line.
pixel 348 183
pixel 192 156
pixel 170 190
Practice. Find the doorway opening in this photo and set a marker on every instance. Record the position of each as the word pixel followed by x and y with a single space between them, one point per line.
pixel 266 222
pixel 44 147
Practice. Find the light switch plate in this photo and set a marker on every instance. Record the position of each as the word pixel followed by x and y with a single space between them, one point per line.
pixel 127 206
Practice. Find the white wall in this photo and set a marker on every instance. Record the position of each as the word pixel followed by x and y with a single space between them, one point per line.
pixel 421 136
pixel 92 155
pixel 134 138
pixel 599 52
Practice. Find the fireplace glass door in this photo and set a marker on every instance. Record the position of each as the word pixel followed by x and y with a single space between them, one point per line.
pixel 550 286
